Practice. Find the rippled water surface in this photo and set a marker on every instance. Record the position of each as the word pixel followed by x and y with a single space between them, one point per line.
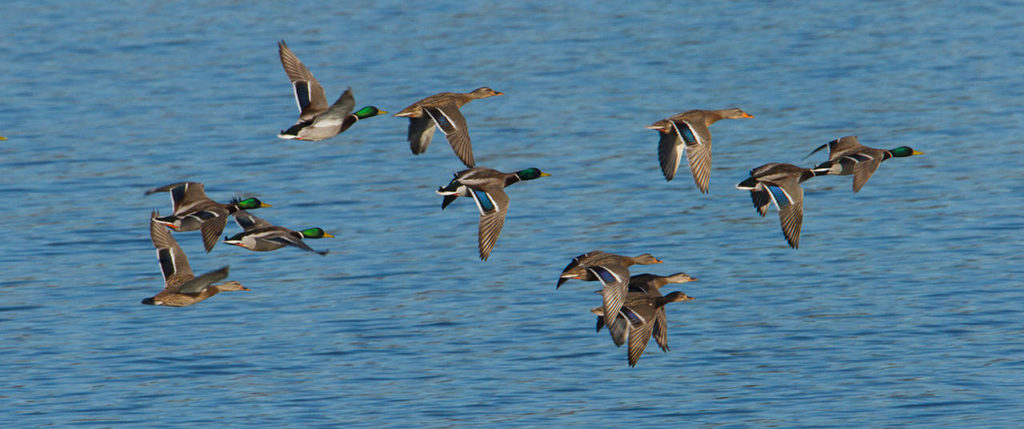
pixel 903 305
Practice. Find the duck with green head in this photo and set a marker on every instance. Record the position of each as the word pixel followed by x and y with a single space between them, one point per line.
pixel 847 156
pixel 487 188
pixel 194 210
pixel 263 236
pixel 317 121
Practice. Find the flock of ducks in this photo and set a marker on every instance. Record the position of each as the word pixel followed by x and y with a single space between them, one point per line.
pixel 633 307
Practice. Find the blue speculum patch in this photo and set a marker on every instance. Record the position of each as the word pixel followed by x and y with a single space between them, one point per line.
pixel 632 316
pixel 442 120
pixel 606 276
pixel 485 201
pixel 780 197
pixel 686 133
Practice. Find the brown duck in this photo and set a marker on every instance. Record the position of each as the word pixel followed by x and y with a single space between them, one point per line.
pixel 181 287
pixel 442 110
pixel 610 269
pixel 637 319
pixel 688 132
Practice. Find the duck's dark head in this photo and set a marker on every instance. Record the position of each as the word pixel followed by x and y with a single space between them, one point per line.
pixel 249 203
pixel 315 232
pixel 530 174
pixel 369 112
pixel 904 151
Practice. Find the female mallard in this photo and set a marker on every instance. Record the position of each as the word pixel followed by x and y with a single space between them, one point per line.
pixel 779 183
pixel 262 236
pixel 442 110
pixel 194 210
pixel 611 269
pixel 487 187
pixel 577 268
pixel 636 319
pixel 651 284
pixel 688 131
pixel 181 287
pixel 317 121
pixel 847 156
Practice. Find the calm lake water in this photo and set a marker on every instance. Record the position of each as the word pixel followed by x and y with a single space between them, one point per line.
pixel 902 307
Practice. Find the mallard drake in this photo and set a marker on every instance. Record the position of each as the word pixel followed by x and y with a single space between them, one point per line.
pixel 317 121
pixel 779 183
pixel 487 187
pixel 194 210
pixel 610 269
pixel 688 131
pixel 636 319
pixel 442 110
pixel 181 287
pixel 847 156
pixel 262 236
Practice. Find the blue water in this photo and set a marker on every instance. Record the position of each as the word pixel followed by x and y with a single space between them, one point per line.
pixel 902 307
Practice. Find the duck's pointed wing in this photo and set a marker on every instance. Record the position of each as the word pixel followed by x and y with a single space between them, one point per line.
pixel 183 194
pixel 670 151
pixel 660 329
pixel 698 151
pixel 212 227
pixel 248 221
pixel 618 329
pixel 290 240
pixel 493 205
pixel 788 196
pixel 451 122
pixel 309 95
pixel 421 132
pixel 816 150
pixel 173 262
pixel 197 284
pixel 340 110
pixel 842 146
pixel 639 335
pixel 866 166
pixel 761 201
pixel 574 264
pixel 615 284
